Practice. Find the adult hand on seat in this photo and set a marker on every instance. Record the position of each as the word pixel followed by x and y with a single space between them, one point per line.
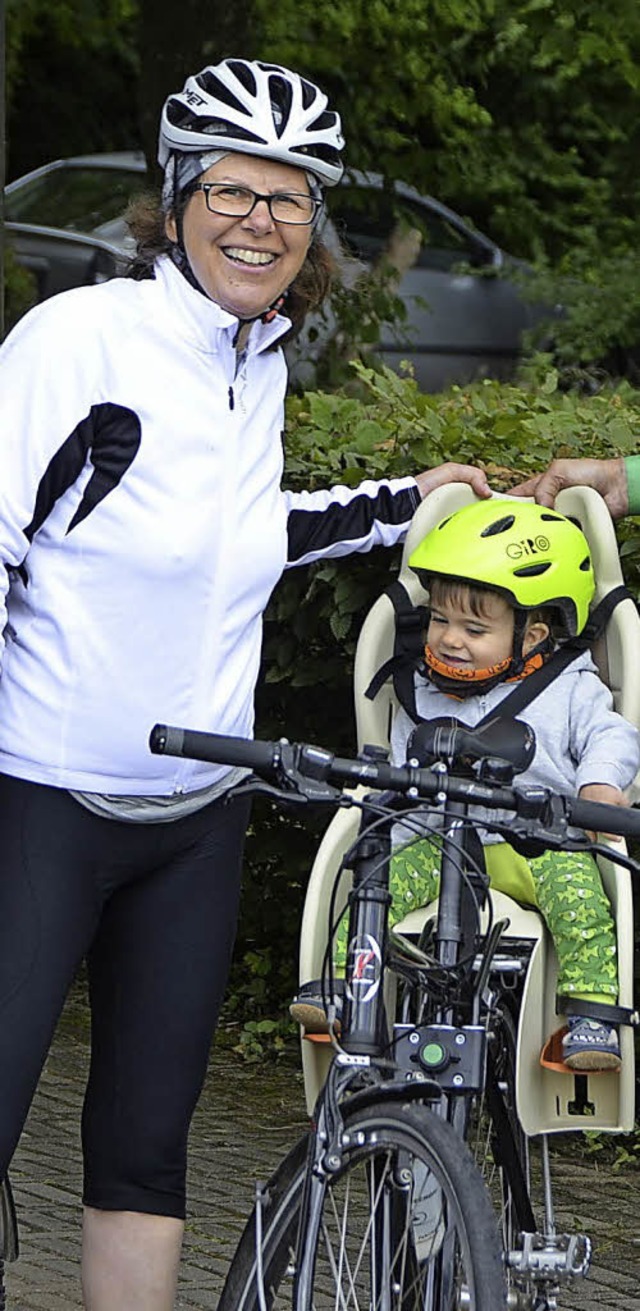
pixel 608 796
pixel 608 477
pixel 453 473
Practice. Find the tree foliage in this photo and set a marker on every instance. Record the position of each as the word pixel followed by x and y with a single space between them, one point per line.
pixel 175 40
pixel 522 114
pixel 72 79
pixel 95 26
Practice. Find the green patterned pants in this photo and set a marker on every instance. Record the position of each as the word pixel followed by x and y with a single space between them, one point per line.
pixel 565 886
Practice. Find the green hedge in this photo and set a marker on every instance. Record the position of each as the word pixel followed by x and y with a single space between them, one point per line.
pixel 381 426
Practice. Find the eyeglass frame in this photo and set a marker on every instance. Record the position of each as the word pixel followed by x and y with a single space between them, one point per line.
pixel 206 187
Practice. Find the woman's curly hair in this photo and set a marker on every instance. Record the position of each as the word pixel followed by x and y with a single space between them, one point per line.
pixel 146 220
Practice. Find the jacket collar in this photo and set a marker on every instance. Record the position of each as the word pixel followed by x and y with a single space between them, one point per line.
pixel 207 324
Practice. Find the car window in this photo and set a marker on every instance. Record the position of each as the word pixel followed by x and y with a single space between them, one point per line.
pixel 77 199
pixel 365 219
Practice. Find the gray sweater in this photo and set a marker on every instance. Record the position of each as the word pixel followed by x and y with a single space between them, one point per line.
pixel 580 738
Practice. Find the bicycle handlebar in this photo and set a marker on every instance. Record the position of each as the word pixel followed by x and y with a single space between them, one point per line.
pixel 212 747
pixel 286 763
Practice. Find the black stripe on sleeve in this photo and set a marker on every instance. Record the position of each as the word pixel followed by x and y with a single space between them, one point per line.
pixel 311 532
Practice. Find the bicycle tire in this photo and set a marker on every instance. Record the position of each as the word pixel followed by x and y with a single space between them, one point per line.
pixel 406 1224
pixel 8 1223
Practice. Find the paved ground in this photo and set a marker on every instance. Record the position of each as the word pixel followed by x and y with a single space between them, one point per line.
pixel 247 1117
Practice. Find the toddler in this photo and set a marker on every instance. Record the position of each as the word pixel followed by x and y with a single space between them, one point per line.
pixel 508 582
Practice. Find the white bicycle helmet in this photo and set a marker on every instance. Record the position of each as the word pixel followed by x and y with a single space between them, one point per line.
pixel 256 109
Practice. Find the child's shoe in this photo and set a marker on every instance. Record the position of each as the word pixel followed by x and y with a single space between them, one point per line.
pixel 307 1007
pixel 590 1045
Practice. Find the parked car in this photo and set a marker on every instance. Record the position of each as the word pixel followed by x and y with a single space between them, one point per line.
pixel 465 308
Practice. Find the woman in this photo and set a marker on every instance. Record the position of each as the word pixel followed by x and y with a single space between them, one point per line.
pixel 142 529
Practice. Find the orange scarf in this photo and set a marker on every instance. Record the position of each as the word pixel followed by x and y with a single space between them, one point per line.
pixel 495 672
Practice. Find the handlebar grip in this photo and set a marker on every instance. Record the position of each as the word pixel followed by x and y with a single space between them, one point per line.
pixel 216 748
pixel 601 818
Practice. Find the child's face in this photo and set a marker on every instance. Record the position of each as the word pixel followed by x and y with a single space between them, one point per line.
pixel 465 640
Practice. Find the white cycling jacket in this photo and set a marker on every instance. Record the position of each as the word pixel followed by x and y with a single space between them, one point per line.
pixel 143 528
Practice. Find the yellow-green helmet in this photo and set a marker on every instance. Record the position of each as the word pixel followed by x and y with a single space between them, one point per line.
pixel 535 556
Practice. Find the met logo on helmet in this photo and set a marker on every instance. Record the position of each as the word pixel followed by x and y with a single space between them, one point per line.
pixel 193 98
pixel 528 546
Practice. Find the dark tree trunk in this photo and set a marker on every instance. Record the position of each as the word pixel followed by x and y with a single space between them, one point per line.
pixel 178 37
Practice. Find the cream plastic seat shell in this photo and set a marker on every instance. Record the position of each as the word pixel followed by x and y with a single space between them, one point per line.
pixel 546 1099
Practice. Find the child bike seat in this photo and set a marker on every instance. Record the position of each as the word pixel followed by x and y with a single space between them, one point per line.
pixel 548 1100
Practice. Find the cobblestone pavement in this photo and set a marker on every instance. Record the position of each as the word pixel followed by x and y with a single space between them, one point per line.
pixel 246 1120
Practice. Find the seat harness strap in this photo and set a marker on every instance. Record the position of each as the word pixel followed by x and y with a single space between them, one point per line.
pixel 599 1010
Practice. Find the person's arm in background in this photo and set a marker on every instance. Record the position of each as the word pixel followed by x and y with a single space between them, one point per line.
pixel 617 481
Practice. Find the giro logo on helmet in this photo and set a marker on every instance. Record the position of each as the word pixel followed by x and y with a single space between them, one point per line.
pixel 528 546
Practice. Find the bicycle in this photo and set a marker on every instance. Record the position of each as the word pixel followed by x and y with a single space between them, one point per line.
pixel 383 1204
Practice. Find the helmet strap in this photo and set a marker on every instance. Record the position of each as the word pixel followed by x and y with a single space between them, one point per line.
pixel 519 630
pixel 179 257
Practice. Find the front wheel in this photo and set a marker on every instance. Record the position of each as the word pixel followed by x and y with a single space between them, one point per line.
pixel 405 1224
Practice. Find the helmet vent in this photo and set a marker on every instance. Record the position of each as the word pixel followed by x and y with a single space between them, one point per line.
pixel 243 73
pixel 280 96
pixel 586 564
pixel 550 517
pixel 532 570
pixel 499 526
pixel 309 93
pixel 218 91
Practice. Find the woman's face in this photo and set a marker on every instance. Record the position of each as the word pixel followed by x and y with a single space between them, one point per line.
pixel 245 264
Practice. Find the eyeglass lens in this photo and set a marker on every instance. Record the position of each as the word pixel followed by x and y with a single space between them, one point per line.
pixel 238 202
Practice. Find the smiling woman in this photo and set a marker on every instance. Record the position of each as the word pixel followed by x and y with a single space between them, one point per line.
pixel 143 527
pixel 246 261
pixel 155 233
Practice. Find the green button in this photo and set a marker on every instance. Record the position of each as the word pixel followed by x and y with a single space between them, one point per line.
pixel 432 1054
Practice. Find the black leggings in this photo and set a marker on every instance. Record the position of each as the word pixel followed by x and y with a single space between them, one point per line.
pixel 153 907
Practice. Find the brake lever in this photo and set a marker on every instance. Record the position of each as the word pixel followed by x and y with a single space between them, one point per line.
pixel 558 841
pixel 255 786
pixel 299 790
pixel 310 785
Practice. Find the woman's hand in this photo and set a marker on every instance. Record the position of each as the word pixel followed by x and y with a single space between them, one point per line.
pixel 453 473
pixel 608 477
pixel 608 796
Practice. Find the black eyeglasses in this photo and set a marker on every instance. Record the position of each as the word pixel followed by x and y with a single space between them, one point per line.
pixel 239 202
